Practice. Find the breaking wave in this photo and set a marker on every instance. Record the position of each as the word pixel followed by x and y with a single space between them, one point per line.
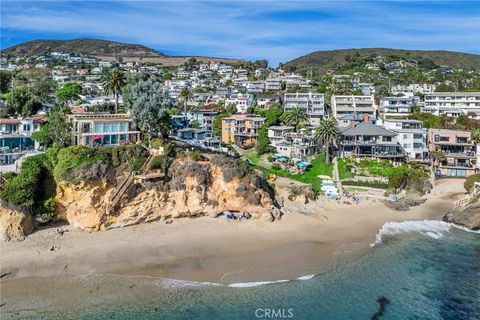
pixel 432 228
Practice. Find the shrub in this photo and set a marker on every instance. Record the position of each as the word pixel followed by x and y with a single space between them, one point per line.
pixel 196 156
pixel 158 162
pixel 469 182
pixel 276 167
pixel 74 157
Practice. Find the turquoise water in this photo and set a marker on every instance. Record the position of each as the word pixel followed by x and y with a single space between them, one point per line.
pixel 426 271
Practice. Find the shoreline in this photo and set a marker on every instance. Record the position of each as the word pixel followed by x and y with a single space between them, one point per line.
pixel 211 250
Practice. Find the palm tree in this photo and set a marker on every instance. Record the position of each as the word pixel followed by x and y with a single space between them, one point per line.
pixel 186 95
pixel 327 133
pixel 295 117
pixel 114 85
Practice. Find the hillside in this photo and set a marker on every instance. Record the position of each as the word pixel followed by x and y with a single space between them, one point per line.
pixel 92 47
pixel 334 59
pixel 106 50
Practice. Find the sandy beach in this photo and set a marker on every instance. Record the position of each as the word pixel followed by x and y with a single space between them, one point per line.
pixel 214 250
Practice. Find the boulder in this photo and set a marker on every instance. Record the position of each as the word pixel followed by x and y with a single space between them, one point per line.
pixel 468 216
pixel 15 224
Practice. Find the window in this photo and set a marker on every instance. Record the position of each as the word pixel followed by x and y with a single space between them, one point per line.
pixel 98 127
pixel 405 136
pixel 123 126
pixel 444 138
pixel 107 127
pixel 26 127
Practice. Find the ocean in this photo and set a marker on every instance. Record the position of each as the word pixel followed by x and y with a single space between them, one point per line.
pixel 419 270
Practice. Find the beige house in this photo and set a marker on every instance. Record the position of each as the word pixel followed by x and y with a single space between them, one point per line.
pixel 241 129
pixel 455 150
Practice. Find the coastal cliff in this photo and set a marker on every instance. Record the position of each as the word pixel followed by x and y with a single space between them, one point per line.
pixel 468 216
pixel 190 189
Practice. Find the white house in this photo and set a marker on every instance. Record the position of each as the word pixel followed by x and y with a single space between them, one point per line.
pixel 411 136
pixel 313 103
pixel 241 100
pixel 453 104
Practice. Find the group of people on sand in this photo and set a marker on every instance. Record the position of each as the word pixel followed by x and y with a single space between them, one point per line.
pixel 354 196
pixel 237 215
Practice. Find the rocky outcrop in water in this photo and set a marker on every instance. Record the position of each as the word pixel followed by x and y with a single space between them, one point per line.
pixel 191 189
pixel 15 224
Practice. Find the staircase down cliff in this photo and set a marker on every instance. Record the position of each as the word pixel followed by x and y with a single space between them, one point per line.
pixel 190 189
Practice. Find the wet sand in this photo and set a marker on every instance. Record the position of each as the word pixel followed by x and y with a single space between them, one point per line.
pixel 204 249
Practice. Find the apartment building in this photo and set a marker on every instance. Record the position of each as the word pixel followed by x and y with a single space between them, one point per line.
pixel 412 89
pixel 16 137
pixel 98 128
pixel 366 139
pixel 411 136
pixel 453 152
pixel 255 86
pixel 241 129
pixel 273 84
pixel 453 104
pixel 241 100
pixel 397 106
pixel 347 104
pixel 312 103
pixel 295 145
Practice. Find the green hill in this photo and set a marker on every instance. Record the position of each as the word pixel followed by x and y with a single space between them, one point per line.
pixel 335 59
pixel 84 46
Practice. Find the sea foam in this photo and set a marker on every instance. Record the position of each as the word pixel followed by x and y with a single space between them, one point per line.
pixel 262 283
pixel 432 228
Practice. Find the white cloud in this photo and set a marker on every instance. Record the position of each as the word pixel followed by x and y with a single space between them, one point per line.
pixel 249 29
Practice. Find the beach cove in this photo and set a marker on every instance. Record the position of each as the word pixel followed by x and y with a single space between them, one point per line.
pixel 201 250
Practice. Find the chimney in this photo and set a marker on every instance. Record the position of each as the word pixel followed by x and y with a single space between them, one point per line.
pixel 365 117
pixel 352 123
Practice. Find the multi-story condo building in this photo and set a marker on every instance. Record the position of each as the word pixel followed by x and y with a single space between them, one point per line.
pixel 397 106
pixel 204 117
pixel 241 129
pixel 241 100
pixel 273 84
pixel 295 145
pixel 89 128
pixel 365 139
pixel 452 152
pixel 412 89
pixel 313 103
pixel 453 104
pixel 16 137
pixel 342 105
pixel 411 136
pixel 255 86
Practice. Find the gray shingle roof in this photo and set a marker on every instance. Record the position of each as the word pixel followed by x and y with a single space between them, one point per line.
pixel 367 129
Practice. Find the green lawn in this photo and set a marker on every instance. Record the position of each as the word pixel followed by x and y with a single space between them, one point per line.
pixel 319 167
pixel 252 156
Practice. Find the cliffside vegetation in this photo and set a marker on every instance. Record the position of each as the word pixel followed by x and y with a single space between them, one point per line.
pixel 34 187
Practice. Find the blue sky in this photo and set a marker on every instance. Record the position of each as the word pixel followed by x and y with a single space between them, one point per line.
pixel 274 30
